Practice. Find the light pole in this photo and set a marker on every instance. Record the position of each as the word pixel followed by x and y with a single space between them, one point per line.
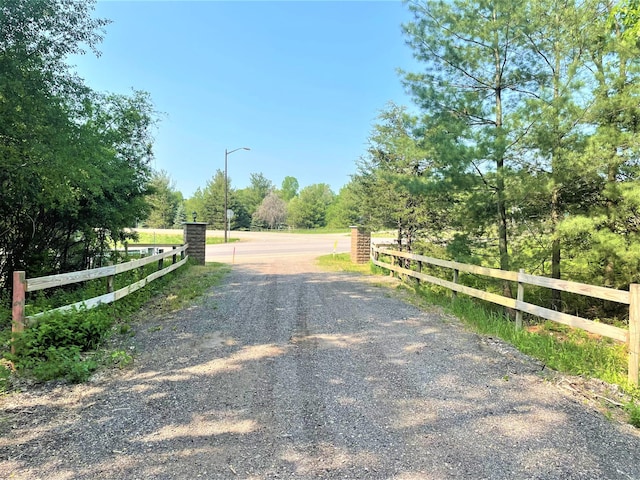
pixel 226 188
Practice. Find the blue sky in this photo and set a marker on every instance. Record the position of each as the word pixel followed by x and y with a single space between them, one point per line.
pixel 300 83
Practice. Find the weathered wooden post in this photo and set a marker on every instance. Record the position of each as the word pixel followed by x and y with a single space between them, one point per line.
pixel 17 306
pixel 456 274
pixel 110 283
pixel 519 298
pixel 360 244
pixel 161 261
pixel 195 234
pixel 634 332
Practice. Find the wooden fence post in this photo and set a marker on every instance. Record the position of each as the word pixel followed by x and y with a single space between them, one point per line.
pixel 634 332
pixel 17 308
pixel 110 280
pixel 456 274
pixel 393 264
pixel 519 298
pixel 174 256
pixel 418 269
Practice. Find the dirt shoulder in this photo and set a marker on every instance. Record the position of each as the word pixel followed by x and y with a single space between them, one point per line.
pixel 287 372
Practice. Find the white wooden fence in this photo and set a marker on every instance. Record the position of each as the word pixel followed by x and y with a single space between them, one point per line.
pixel 630 336
pixel 22 285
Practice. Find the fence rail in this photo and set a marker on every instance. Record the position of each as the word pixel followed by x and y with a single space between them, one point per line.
pixel 22 285
pixel 629 336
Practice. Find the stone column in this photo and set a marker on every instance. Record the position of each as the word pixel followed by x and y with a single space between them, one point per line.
pixel 195 234
pixel 360 244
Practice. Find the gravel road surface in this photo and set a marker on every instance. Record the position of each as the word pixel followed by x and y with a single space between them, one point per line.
pixel 287 372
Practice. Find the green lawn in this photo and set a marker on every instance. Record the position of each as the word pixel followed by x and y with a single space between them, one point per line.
pixel 150 238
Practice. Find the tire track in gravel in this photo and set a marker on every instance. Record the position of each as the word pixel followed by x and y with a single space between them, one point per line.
pixel 287 372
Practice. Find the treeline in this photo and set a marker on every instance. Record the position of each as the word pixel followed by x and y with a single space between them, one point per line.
pixel 74 163
pixel 261 205
pixel 523 148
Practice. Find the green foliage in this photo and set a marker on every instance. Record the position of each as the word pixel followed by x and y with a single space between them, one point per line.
pixel 634 414
pixel 195 204
pixel 61 362
pixel 209 204
pixel 213 202
pixel 120 359
pixel 82 329
pixel 523 153
pixel 5 377
pixel 309 208
pixel 289 188
pixel 164 202
pixel 75 163
pixel 345 209
pixel 54 347
pixel 392 188
pixel 252 196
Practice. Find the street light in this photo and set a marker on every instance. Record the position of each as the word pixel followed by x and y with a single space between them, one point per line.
pixel 226 188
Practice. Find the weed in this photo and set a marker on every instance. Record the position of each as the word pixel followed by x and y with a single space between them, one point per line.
pixel 5 376
pixel 61 362
pixel 634 414
pixel 125 329
pixel 120 359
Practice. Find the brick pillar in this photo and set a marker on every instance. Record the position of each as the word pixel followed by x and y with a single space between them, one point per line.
pixel 360 244
pixel 195 234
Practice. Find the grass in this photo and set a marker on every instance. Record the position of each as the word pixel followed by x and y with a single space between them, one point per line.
pixel 219 240
pixel 322 230
pixel 558 347
pixel 150 238
pixel 341 262
pixel 385 234
pixel 72 345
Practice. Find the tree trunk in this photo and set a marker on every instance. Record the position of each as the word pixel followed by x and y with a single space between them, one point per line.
pixel 503 245
pixel 556 295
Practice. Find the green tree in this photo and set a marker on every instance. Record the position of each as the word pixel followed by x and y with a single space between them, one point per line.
pixel 554 116
pixel 289 188
pixel 476 75
pixel 163 200
pixel 181 215
pixel 388 184
pixel 309 208
pixel 607 235
pixel 213 201
pixel 345 210
pixel 252 196
pixel 195 204
pixel 75 162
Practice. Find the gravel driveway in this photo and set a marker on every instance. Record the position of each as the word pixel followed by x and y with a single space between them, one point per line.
pixel 287 372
